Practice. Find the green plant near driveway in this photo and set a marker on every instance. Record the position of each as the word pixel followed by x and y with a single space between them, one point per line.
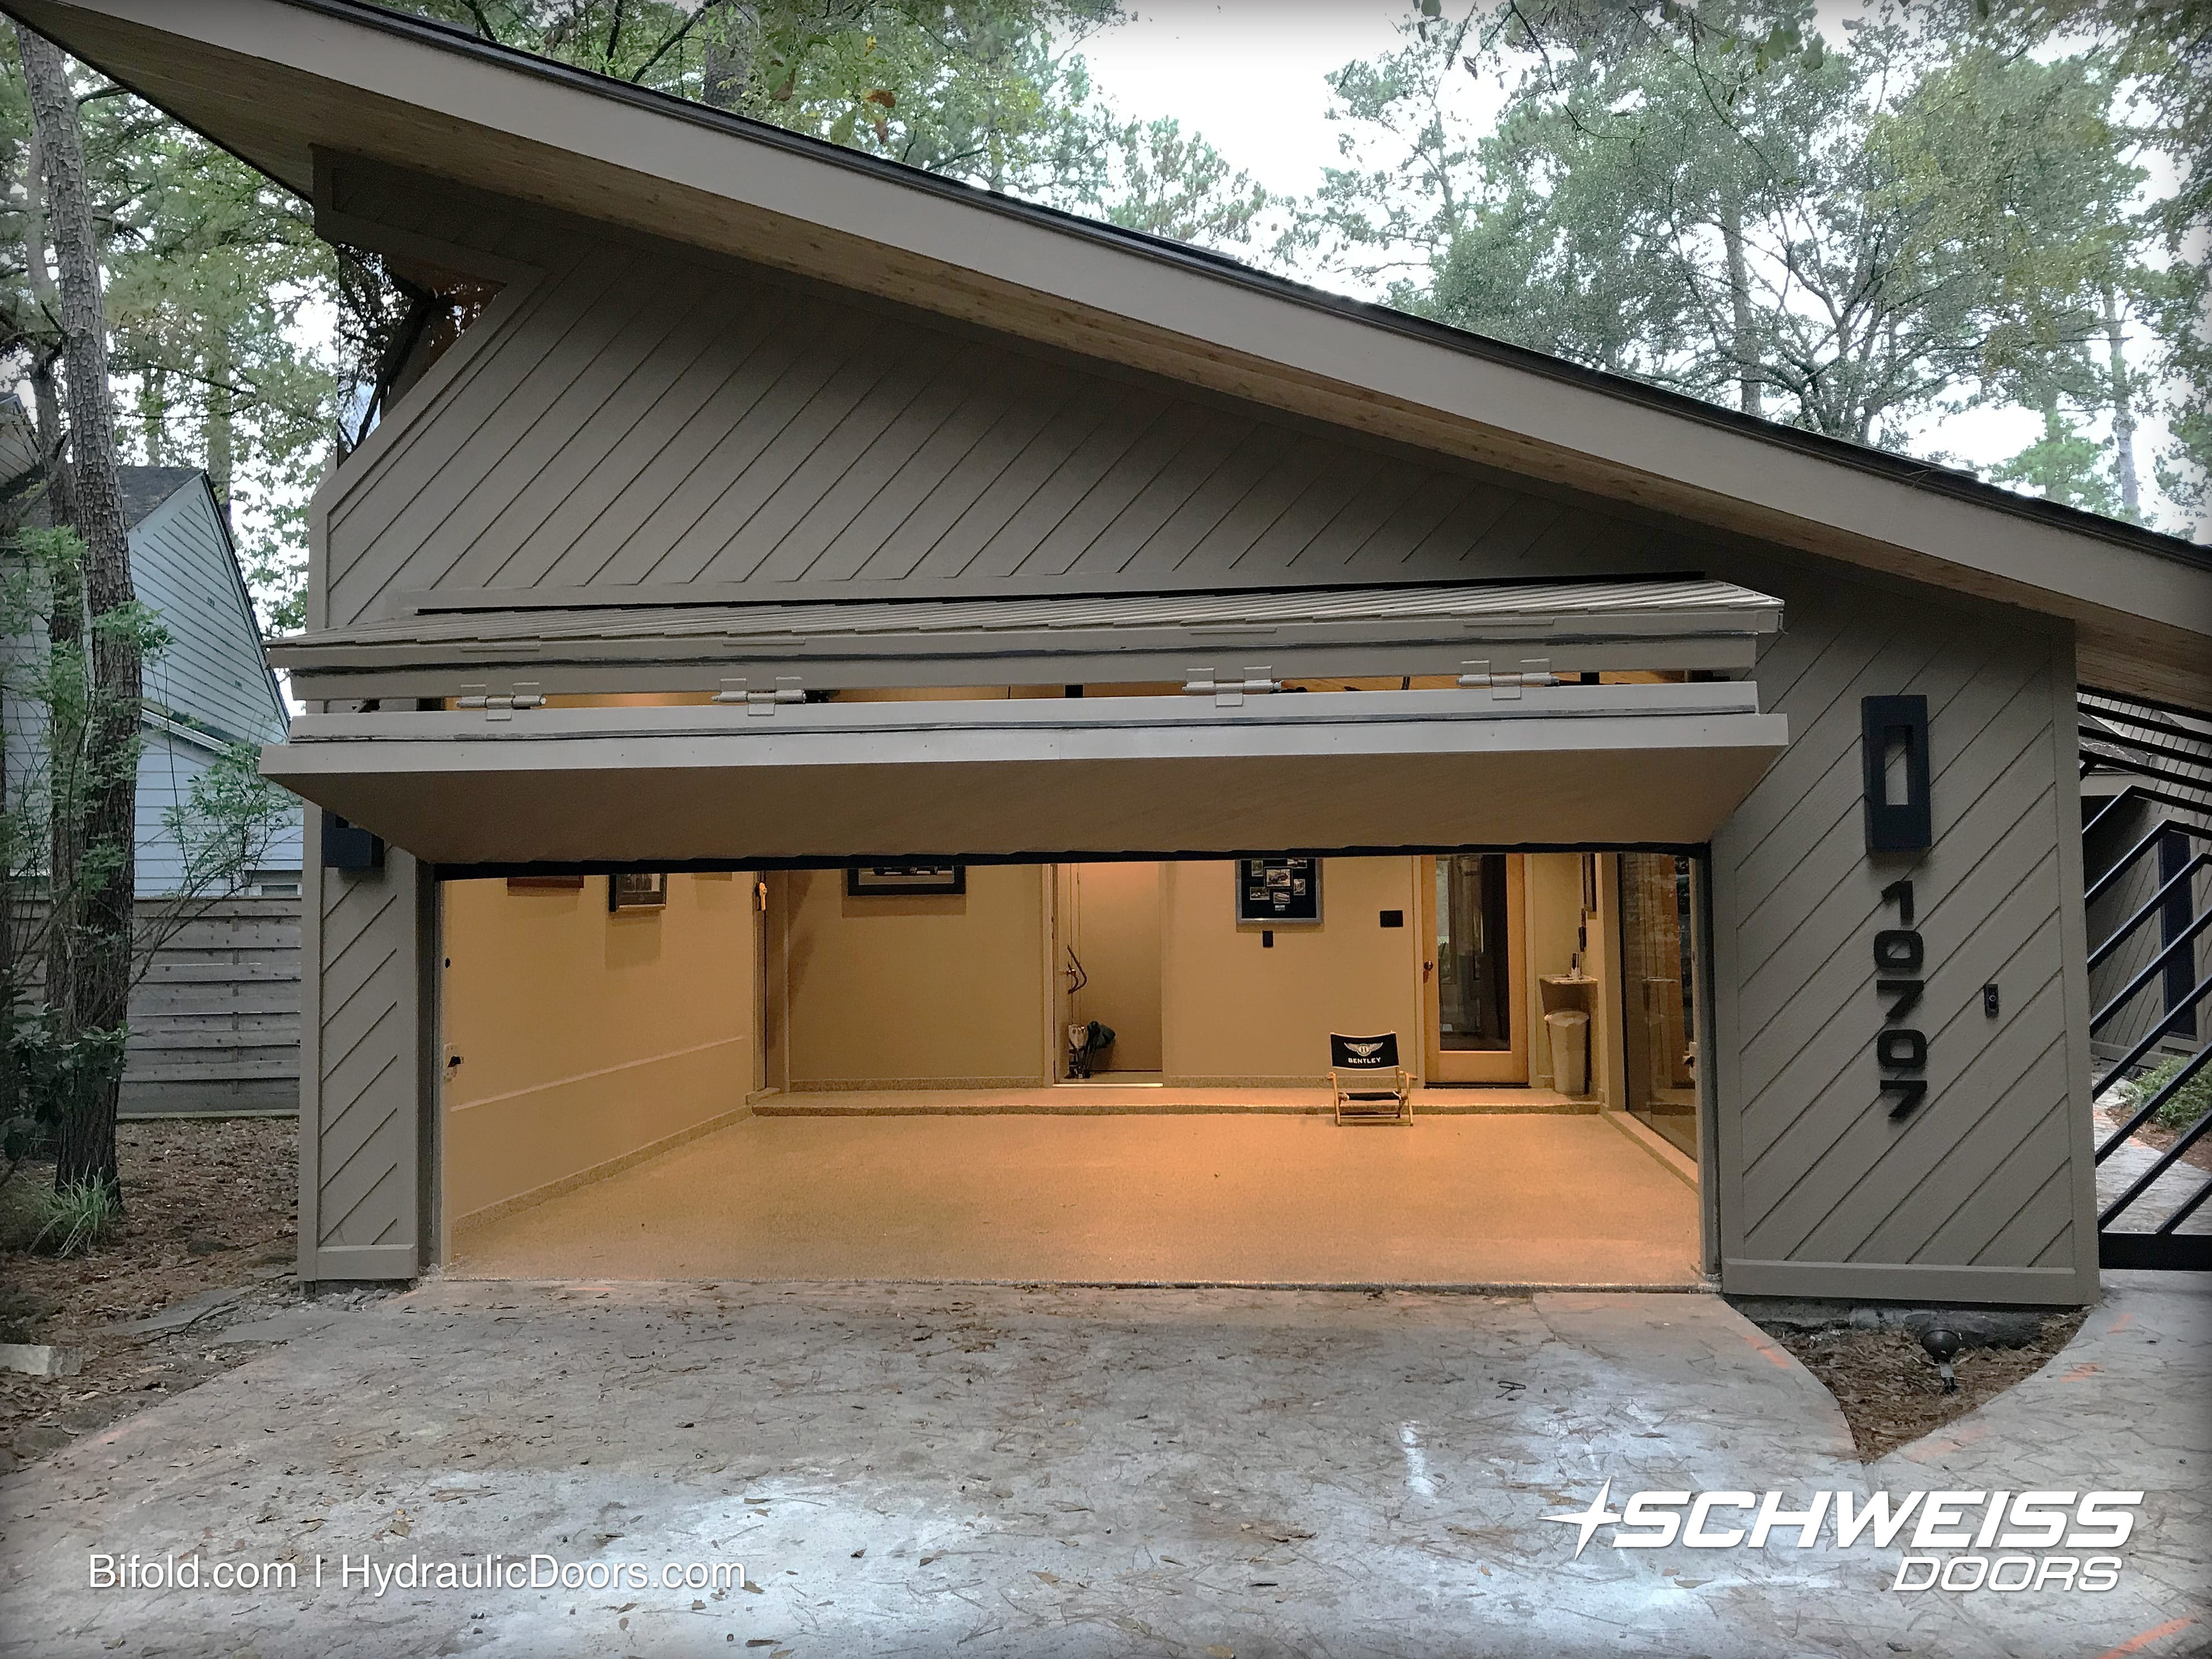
pixel 2191 1102
pixel 76 1217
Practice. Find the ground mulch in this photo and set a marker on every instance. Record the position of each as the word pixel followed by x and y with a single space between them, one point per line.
pixel 1891 1392
pixel 211 1204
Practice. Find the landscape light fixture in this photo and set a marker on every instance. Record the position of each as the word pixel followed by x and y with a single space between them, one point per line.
pixel 1944 1348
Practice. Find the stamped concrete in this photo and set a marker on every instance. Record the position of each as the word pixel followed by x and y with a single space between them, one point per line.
pixel 926 1470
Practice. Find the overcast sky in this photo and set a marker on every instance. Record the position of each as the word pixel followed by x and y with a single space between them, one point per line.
pixel 1247 74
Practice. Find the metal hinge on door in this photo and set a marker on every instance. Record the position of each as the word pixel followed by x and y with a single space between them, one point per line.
pixel 501 705
pixel 1229 694
pixel 1507 683
pixel 761 700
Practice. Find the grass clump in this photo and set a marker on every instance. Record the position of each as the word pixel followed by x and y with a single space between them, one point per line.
pixel 74 1217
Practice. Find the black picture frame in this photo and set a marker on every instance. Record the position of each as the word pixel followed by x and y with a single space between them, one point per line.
pixel 905 880
pixel 638 892
pixel 1278 892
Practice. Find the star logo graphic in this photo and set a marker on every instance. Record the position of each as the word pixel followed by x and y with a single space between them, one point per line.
pixel 1588 1520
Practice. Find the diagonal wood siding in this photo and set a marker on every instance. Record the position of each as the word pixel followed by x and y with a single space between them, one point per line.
pixel 637 425
pixel 362 1058
pixel 1982 1192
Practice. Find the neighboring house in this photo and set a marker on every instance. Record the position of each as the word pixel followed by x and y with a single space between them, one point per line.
pixel 214 1019
pixel 210 688
pixel 1054 624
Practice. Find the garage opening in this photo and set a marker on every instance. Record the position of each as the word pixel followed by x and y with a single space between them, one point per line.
pixel 1087 1071
pixel 937 939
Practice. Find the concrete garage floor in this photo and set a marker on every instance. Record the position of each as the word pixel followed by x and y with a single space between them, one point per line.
pixel 999 1472
pixel 1491 1201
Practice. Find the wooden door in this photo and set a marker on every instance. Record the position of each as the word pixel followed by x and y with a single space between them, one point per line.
pixel 1474 968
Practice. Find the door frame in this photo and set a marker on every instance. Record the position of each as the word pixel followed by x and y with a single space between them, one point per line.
pixel 1449 1067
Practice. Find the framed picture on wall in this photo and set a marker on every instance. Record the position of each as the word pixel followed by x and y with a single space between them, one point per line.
pixel 1278 892
pixel 634 892
pixel 884 880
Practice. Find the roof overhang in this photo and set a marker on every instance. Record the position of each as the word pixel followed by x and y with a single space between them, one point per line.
pixel 273 79
pixel 1678 626
pixel 1659 765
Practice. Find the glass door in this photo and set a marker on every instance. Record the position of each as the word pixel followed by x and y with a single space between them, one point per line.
pixel 1474 969
pixel 1659 989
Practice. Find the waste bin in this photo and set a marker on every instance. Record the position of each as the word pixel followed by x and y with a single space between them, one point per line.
pixel 1569 1031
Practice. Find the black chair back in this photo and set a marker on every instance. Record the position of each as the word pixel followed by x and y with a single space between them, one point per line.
pixel 1363 1053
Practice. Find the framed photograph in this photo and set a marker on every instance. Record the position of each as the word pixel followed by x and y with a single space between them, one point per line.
pixel 637 892
pixel 1278 892
pixel 886 880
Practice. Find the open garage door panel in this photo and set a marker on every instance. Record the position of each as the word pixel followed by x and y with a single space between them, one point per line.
pixel 1650 764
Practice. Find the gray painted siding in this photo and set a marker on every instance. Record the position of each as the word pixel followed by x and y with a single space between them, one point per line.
pixel 211 674
pixel 1980 1193
pixel 363 1052
pixel 636 425
pixel 168 766
pixel 215 1022
pixel 211 670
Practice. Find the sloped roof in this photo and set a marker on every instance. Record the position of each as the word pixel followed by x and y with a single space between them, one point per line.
pixel 145 488
pixel 276 81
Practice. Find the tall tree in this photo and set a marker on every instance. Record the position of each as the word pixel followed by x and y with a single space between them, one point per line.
pixel 1859 231
pixel 95 992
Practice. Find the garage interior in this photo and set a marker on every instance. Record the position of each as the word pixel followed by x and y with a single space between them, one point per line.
pixel 844 1074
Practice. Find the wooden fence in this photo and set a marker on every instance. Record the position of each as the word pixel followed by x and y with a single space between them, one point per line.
pixel 215 1023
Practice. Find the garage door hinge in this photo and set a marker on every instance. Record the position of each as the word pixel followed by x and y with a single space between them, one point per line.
pixel 501 705
pixel 1229 694
pixel 760 699
pixel 1507 683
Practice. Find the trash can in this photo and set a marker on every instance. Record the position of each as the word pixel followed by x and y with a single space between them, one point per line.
pixel 1569 1031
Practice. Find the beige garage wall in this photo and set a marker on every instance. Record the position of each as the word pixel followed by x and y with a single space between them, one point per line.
pixel 1237 1012
pixel 915 992
pixel 585 1036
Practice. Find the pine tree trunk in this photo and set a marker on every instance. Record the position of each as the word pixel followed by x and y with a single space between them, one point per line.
pixel 100 1000
pixel 1743 348
pixel 726 45
pixel 220 456
pixel 2124 412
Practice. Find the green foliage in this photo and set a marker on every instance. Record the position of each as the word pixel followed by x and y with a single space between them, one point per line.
pixel 2186 1104
pixel 74 1218
pixel 213 281
pixel 1859 223
pixel 2063 465
pixel 228 821
pixel 995 92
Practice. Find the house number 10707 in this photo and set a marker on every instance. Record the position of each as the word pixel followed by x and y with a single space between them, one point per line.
pixel 1898 957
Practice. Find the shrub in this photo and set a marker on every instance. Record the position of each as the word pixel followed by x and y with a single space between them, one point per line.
pixel 2191 1102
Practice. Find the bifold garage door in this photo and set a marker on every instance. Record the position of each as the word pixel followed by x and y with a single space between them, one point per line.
pixel 1619 765
pixel 1493 748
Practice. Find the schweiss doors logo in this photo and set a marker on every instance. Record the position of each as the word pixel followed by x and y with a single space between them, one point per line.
pixel 2023 1528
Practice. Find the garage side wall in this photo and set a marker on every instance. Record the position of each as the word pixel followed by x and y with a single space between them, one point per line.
pixel 578 1040
pixel 366 939
pixel 1985 1192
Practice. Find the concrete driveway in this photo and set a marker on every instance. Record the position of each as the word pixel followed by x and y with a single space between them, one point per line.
pixel 942 1470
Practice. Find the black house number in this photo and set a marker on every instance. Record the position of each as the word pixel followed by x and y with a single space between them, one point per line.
pixel 1898 958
